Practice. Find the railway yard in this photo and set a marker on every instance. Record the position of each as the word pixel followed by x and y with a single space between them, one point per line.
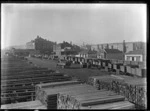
pixel 35 83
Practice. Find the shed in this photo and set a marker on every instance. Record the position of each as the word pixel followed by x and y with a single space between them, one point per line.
pixel 136 55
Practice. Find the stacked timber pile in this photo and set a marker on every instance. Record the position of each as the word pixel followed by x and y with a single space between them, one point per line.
pixel 106 81
pixel 18 79
pixel 47 93
pixel 111 106
pixel 74 95
pixel 134 89
pixel 86 97
pixel 25 105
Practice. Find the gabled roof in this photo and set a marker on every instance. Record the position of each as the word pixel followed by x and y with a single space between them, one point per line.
pixel 141 51
pixel 113 51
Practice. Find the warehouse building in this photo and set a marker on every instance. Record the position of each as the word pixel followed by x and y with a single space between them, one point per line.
pixel 110 54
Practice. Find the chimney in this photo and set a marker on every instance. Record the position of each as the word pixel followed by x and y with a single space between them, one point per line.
pixel 124 47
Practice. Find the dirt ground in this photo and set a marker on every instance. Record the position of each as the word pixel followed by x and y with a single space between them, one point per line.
pixel 73 71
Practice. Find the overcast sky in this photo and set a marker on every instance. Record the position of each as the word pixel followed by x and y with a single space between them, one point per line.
pixel 88 23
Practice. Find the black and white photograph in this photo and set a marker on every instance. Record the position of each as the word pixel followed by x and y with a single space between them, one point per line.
pixel 74 56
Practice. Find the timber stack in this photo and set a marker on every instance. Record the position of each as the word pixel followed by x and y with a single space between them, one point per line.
pixel 86 97
pixel 134 89
pixel 47 93
pixel 19 78
pixel 76 95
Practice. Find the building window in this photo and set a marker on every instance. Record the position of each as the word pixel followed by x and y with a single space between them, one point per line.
pixel 132 58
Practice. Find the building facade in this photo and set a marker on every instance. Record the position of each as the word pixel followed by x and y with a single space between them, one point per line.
pixel 42 45
pixel 30 45
pixel 137 55
pixel 130 46
pixel 110 54
pixel 88 54
pixel 61 52
pixel 57 49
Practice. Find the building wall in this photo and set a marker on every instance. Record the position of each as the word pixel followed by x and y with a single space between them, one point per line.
pixel 130 46
pixel 30 45
pixel 115 46
pixel 62 52
pixel 144 58
pixel 133 57
pixel 118 56
pixel 100 55
pixel 83 55
pixel 88 55
pixel 139 45
pixel 92 55
pixel 103 46
pixel 120 46
pixel 110 46
pixel 57 49
pixel 94 47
